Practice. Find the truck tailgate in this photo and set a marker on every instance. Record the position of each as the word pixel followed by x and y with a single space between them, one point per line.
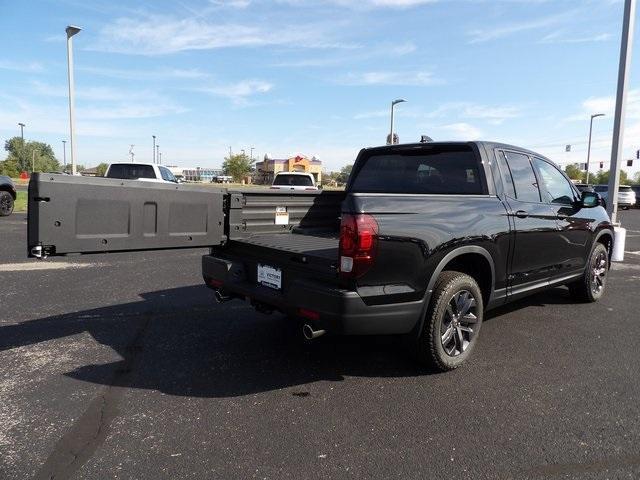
pixel 296 256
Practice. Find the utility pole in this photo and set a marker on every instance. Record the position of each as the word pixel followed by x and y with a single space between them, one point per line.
pixel 33 160
pixel 252 149
pixel 153 157
pixel 131 152
pixel 626 46
pixel 64 154
pixel 22 125
pixel 230 154
pixel 159 158
pixel 71 31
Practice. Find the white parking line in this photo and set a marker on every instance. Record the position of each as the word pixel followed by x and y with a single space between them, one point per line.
pixel 34 266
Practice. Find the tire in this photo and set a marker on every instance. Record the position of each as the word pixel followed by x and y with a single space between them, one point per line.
pixel 6 204
pixel 452 322
pixel 593 282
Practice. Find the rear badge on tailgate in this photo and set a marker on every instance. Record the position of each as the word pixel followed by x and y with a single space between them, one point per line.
pixel 282 216
pixel 270 276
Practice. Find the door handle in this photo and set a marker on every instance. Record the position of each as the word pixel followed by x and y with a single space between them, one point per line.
pixel 522 214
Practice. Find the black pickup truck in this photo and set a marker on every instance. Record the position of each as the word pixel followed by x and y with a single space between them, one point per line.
pixel 425 238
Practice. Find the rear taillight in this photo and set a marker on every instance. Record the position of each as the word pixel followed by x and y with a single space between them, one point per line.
pixel 358 244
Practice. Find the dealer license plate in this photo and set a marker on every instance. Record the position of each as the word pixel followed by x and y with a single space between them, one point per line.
pixel 270 276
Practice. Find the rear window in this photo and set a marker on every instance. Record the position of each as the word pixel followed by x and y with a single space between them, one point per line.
pixel 439 170
pixel 624 189
pixel 293 180
pixel 600 188
pixel 130 172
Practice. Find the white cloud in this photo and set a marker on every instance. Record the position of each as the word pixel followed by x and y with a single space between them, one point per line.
pixel 26 67
pixel 158 35
pixel 559 36
pixel 411 79
pixel 462 131
pixel 494 114
pixel 240 91
pixel 136 74
pixel 232 3
pixel 493 33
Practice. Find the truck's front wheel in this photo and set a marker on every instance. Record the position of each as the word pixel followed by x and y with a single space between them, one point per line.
pixel 6 204
pixel 452 323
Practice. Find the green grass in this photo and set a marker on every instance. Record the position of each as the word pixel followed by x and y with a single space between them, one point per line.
pixel 21 202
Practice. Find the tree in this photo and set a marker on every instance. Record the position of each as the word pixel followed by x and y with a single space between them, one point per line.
pixel 238 166
pixel 67 168
pixel 343 176
pixel 29 156
pixel 636 178
pixel 602 178
pixel 574 172
pixel 101 169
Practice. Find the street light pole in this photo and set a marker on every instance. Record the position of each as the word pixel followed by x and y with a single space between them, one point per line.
pixel 64 154
pixel 153 159
pixel 589 147
pixel 22 125
pixel 626 45
pixel 157 153
pixel 71 31
pixel 393 104
pixel 252 149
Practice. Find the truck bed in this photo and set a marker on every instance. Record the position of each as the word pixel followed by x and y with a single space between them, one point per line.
pixel 318 244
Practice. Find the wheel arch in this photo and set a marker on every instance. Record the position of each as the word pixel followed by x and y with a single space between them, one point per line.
pixel 7 188
pixel 454 258
pixel 607 238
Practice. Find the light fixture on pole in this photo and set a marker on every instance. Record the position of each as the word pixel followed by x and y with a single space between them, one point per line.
pixel 71 31
pixel 64 154
pixel 393 104
pixel 589 147
pixel 153 159
pixel 22 125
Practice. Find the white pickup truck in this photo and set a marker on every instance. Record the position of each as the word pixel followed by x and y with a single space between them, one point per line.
pixel 147 172
pixel 294 181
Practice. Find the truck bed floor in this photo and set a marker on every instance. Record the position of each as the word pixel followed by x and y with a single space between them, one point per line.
pixel 323 245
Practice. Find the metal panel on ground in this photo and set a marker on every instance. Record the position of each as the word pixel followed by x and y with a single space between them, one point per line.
pixel 70 214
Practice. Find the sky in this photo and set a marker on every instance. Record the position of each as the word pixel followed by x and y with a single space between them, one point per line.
pixel 313 77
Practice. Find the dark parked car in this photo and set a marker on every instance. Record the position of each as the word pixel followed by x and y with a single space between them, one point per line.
pixel 7 196
pixel 424 240
pixel 583 187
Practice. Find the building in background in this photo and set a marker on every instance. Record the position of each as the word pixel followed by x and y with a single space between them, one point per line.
pixel 200 174
pixel 266 170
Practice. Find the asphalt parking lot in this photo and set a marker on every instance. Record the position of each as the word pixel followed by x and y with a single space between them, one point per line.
pixel 122 366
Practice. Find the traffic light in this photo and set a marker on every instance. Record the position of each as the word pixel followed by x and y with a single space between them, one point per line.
pixel 629 163
pixel 601 165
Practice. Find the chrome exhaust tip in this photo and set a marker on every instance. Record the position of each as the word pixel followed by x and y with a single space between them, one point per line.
pixel 309 333
pixel 221 297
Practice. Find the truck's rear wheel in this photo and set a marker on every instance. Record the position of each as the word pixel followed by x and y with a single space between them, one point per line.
pixel 593 282
pixel 452 322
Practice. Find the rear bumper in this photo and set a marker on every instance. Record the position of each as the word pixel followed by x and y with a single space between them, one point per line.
pixel 339 311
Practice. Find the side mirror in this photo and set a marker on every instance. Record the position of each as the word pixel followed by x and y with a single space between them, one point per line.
pixel 590 199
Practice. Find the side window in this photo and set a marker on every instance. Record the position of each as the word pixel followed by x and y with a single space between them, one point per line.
pixel 509 188
pixel 524 180
pixel 555 188
pixel 167 175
